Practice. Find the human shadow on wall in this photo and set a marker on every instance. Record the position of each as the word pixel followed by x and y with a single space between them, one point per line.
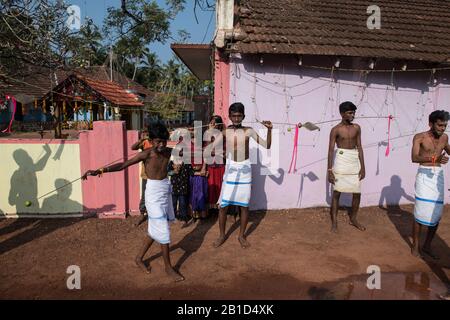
pixel 379 145
pixel 59 151
pixel 29 229
pixel 24 189
pixel 309 176
pixel 403 221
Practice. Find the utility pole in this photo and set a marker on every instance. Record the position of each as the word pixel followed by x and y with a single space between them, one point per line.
pixel 110 62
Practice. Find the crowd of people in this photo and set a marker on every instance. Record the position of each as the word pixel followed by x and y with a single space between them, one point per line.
pixel 173 188
pixel 196 187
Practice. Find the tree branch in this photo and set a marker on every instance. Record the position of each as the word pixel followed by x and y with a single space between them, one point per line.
pixel 128 13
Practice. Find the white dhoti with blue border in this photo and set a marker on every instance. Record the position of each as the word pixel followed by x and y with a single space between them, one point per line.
pixel 159 205
pixel 429 189
pixel 237 184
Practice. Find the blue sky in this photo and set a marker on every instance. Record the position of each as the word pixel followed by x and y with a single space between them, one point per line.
pixel 96 9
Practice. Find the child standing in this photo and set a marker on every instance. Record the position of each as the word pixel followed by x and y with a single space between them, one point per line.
pixel 199 191
pixel 180 178
pixel 142 145
pixel 215 170
pixel 198 184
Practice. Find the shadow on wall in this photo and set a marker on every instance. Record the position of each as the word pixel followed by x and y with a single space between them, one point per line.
pixel 32 229
pixel 61 202
pixel 23 193
pixel 258 198
pixel 403 221
pixel 392 194
pixel 24 181
pixel 310 176
pixel 24 196
pixel 259 176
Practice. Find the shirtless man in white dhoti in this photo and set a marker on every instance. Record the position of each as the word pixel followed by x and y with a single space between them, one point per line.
pixel 158 195
pixel 237 179
pixel 427 150
pixel 349 167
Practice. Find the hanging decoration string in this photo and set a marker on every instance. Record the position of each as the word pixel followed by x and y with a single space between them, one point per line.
pixel 13 100
pixel 293 165
pixel 389 136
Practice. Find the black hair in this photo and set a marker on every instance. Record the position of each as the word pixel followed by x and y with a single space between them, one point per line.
pixel 217 119
pixel 346 106
pixel 438 115
pixel 236 107
pixel 158 131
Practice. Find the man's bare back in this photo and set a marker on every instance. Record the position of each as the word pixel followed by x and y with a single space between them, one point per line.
pixel 155 163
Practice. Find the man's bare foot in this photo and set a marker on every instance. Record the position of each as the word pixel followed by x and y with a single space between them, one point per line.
pixel 219 241
pixel 430 253
pixel 357 225
pixel 334 228
pixel 141 220
pixel 244 243
pixel 142 266
pixel 444 296
pixel 175 276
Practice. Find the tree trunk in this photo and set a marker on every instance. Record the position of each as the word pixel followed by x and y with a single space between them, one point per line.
pixel 58 130
pixel 135 67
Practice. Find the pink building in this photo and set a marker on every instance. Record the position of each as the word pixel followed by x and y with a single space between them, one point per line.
pixel 296 61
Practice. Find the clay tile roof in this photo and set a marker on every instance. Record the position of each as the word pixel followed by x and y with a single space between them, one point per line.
pixel 410 29
pixel 38 81
pixel 112 92
pixel 102 73
pixel 34 84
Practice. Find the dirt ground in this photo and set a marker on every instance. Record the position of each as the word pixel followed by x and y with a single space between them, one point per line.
pixel 293 256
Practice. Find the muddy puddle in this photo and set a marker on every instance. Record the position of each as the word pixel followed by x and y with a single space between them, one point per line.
pixel 393 286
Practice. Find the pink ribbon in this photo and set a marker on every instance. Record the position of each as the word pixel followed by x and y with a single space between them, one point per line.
pixel 389 136
pixel 14 112
pixel 294 152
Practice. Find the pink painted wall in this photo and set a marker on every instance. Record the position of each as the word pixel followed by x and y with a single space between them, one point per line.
pixel 221 86
pixel 281 91
pixel 37 141
pixel 112 195
pixel 116 193
pixel 133 176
